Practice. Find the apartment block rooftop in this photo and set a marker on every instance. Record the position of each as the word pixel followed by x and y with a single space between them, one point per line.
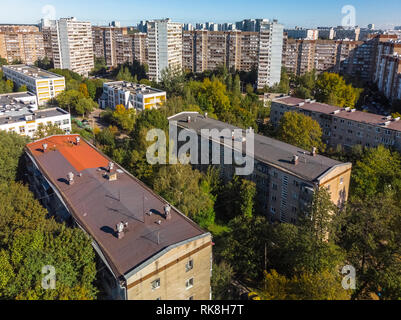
pixel 32 71
pixel 25 114
pixel 343 113
pixel 134 88
pixel 267 150
pixel 100 194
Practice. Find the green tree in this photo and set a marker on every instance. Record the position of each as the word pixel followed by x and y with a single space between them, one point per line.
pixel 331 88
pixel 300 130
pixel 221 281
pixel 22 88
pixel 183 187
pixel 11 150
pixel 320 286
pixel 371 236
pixel 43 131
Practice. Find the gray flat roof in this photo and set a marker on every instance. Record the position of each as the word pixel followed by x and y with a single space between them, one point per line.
pixel 19 116
pixel 267 150
pixel 133 87
pixel 33 72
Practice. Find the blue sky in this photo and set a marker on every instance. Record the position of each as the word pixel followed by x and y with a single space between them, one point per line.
pixel 308 13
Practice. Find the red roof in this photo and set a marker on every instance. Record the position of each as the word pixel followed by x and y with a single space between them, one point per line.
pixel 81 156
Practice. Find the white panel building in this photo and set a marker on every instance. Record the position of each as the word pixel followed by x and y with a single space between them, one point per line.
pixel 165 47
pixel 71 44
pixel 270 54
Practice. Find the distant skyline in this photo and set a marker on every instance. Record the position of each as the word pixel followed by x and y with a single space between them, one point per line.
pixel 308 13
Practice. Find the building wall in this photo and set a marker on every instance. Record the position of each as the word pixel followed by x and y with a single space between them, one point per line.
pixel 170 268
pixel 72 45
pixel 29 127
pixel 164 47
pixel 44 88
pixel 339 131
pixel 20 45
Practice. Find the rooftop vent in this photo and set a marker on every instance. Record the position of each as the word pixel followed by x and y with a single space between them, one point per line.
pixel 397 119
pixel 313 101
pixel 353 110
pixel 44 147
pixel 120 228
pixel 347 109
pixel 314 152
pixel 295 159
pixel 78 140
pixel 189 119
pixel 301 104
pixel 205 115
pixel 167 213
pixel 110 167
pixel 336 111
pixel 70 178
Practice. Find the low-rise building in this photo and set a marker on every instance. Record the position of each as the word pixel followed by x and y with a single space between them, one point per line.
pixel 342 126
pixel 148 249
pixel 286 176
pixel 44 84
pixel 131 96
pixel 19 113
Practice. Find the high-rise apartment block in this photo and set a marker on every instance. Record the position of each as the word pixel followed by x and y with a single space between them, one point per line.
pixel 44 84
pixel 21 43
pixel 343 126
pixel 164 47
pixel 355 58
pixel 243 51
pixel 270 54
pixel 286 176
pixel 147 249
pixel 388 69
pixel 71 44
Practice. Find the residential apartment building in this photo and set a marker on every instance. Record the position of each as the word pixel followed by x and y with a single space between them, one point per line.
pixel 303 34
pixel 19 113
pixel 286 176
pixel 270 54
pixel 148 249
pixel 131 96
pixel 44 84
pixel 243 51
pixel 164 47
pixel 71 44
pixel 21 43
pixel 343 126
pixel 354 58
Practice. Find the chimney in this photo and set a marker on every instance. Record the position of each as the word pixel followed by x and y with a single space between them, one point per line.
pixel 70 177
pixel 295 159
pixel 78 139
pixel 111 167
pixel 314 152
pixel 44 147
pixel 189 119
pixel 167 213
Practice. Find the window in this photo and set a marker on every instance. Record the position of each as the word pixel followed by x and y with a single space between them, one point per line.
pixel 275 186
pixel 66 121
pixel 159 298
pixel 190 283
pixel 156 284
pixel 341 180
pixel 191 298
pixel 273 210
pixel 189 266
